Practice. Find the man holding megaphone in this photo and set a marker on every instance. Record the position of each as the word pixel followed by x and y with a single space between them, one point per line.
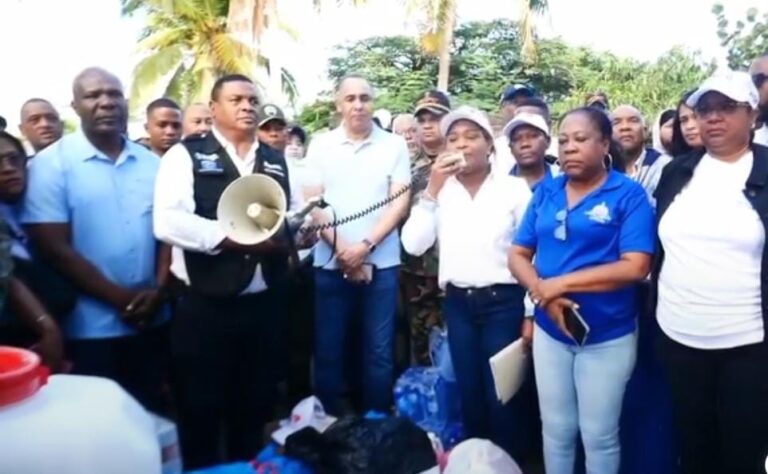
pixel 221 201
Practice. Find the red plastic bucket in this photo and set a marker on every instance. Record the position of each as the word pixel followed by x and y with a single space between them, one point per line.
pixel 21 374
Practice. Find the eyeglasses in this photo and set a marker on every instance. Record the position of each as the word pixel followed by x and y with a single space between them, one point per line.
pixel 560 231
pixel 759 79
pixel 727 108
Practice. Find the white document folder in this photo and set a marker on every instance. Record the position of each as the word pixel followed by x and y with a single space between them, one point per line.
pixel 509 367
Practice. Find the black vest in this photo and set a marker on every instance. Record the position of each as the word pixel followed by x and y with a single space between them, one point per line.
pixel 229 273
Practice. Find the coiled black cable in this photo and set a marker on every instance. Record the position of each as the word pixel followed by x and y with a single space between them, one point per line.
pixel 352 217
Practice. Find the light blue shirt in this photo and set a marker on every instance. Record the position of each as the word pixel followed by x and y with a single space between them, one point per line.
pixel 356 176
pixel 108 204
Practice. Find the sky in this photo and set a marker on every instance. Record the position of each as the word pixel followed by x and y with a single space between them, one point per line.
pixel 49 51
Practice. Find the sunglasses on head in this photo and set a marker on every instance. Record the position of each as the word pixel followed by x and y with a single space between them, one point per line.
pixel 759 79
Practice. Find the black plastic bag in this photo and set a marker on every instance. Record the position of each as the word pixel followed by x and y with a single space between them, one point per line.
pixel 360 446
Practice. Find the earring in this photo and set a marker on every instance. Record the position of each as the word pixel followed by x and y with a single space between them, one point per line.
pixel 608 162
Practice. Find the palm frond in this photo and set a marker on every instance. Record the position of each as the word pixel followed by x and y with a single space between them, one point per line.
pixel 175 87
pixel 231 55
pixel 162 38
pixel 200 83
pixel 528 11
pixel 151 70
pixel 129 7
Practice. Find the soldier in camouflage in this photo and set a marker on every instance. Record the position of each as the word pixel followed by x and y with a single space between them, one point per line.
pixel 421 293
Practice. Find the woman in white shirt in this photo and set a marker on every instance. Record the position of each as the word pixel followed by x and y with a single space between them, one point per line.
pixel 712 284
pixel 473 215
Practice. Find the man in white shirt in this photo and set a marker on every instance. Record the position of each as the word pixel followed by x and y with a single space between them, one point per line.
pixel 355 167
pixel 759 72
pixel 226 330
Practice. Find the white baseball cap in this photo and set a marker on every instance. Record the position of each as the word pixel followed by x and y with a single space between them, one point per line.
pixel 735 85
pixel 531 120
pixel 466 112
pixel 480 456
pixel 308 413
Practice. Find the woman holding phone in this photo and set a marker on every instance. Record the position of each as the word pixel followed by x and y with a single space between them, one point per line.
pixel 591 231
pixel 472 214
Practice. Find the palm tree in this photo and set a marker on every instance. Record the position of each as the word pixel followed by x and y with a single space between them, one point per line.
pixel 440 21
pixel 188 47
pixel 437 32
pixel 528 11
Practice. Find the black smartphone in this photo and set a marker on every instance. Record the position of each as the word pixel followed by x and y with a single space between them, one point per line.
pixel 576 325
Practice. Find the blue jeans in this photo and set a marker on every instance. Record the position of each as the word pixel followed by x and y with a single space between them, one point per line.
pixel 337 301
pixel 481 322
pixel 582 389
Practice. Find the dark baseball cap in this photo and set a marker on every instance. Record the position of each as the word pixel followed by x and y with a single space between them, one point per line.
pixel 517 89
pixel 433 101
pixel 269 112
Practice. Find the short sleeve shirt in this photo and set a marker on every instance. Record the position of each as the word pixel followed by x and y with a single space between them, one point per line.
pixel 614 219
pixel 108 204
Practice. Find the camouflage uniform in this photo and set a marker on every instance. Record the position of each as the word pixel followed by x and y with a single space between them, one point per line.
pixel 421 293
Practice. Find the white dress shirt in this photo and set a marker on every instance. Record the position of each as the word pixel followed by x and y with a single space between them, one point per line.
pixel 175 221
pixel 474 234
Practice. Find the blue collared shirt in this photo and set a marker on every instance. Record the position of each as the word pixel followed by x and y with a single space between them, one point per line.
pixel 354 177
pixel 550 171
pixel 612 220
pixel 108 204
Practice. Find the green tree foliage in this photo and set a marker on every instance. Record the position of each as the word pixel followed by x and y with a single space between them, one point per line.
pixel 746 40
pixel 487 57
pixel 186 47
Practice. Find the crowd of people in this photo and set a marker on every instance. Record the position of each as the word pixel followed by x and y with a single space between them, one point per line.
pixel 650 233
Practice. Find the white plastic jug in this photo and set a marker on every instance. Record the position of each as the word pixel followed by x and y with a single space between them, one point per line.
pixel 78 425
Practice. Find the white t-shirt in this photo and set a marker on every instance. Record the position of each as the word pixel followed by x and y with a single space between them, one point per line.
pixel 761 135
pixel 709 286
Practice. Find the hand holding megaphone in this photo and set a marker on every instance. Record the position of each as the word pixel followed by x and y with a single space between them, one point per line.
pixel 252 209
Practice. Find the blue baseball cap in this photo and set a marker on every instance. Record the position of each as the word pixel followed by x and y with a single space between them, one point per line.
pixel 517 89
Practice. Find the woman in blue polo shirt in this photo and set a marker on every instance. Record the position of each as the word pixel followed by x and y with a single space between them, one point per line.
pixel 591 231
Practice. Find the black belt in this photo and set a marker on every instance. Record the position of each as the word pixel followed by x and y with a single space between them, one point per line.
pixel 491 290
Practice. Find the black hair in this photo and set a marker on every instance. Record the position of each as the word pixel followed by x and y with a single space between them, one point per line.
pixel 3 123
pixel 162 103
pixel 216 90
pixel 296 131
pixel 537 102
pixel 666 116
pixel 603 125
pixel 14 141
pixel 679 146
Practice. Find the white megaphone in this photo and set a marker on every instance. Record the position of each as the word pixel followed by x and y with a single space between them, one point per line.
pixel 254 208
